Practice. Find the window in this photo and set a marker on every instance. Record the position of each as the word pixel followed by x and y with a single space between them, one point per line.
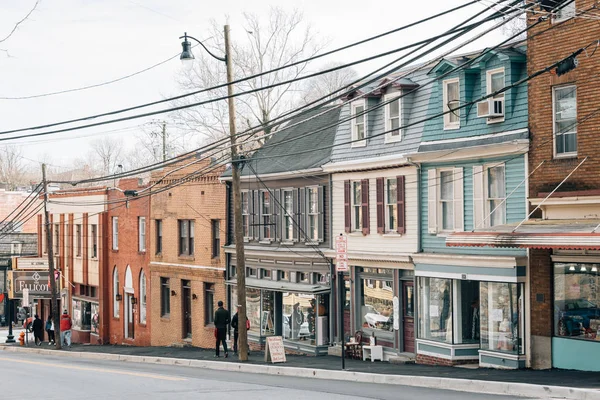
pixel 246 213
pixel 78 240
pixel 186 237
pixel 56 239
pixel 116 285
pixel 496 195
pixel 301 277
pixel 447 200
pixel 283 276
pixel 393 112
pixel 288 215
pixel 165 297
pixel 356 206
pixel 576 301
pixel 266 273
pixel 209 303
pixel 159 242
pixel 115 233
pixel 252 272
pixel 495 82
pixel 565 11
pixel 142 297
pixel 312 197
pixel 564 104
pixel 141 234
pixel 376 306
pixel 216 238
pixel 435 309
pixel 391 205
pixel 502 316
pixel 94 233
pixel 266 214
pixel 451 103
pixel 359 124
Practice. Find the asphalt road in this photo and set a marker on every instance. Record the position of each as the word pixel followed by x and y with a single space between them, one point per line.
pixel 50 377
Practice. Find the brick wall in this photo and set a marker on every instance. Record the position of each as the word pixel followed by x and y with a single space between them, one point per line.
pixel 9 201
pixel 430 360
pixel 543 50
pixel 540 270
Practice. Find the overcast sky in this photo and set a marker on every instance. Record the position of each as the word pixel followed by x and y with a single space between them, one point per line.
pixel 68 44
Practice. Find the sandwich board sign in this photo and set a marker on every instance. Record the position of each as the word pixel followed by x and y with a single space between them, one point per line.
pixel 274 350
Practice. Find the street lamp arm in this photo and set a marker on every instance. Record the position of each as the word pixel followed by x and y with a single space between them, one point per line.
pixel 224 59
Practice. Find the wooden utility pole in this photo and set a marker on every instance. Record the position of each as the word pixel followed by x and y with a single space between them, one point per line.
pixel 54 306
pixel 240 260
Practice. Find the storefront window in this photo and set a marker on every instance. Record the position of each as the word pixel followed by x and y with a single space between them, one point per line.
pixel 296 315
pixel 252 307
pixel 435 309
pixel 267 314
pixel 576 301
pixel 468 312
pixel 501 316
pixel 82 314
pixel 95 318
pixel 375 297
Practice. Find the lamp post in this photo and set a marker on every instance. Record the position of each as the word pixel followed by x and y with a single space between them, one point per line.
pixel 187 57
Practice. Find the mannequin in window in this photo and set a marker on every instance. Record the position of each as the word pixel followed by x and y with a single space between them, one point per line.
pixel 475 319
pixel 445 312
pixel 296 321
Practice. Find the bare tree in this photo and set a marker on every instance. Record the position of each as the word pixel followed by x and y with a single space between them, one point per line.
pixel 12 167
pixel 323 85
pixel 108 152
pixel 282 39
pixel 16 26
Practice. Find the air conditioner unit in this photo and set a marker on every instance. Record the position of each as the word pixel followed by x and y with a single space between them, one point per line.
pixel 490 108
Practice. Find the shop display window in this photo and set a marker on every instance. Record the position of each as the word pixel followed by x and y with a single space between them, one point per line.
pixel 576 301
pixel 267 314
pixel 82 315
pixel 376 305
pixel 501 316
pixel 435 309
pixel 252 307
pixel 296 310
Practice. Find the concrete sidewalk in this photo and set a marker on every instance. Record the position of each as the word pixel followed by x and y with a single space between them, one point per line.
pixel 526 383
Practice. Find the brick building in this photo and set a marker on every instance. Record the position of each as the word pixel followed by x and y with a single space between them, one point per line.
pixel 187 263
pixel 14 204
pixel 128 265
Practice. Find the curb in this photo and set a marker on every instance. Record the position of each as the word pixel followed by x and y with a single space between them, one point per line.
pixel 462 385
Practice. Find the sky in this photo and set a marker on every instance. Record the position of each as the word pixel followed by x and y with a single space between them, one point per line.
pixel 68 44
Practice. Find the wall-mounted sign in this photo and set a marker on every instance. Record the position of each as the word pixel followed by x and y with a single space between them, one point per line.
pixel 30 263
pixel 341 249
pixel 35 281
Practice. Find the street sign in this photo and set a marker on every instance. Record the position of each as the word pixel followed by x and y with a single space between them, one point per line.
pixel 341 248
pixel 30 263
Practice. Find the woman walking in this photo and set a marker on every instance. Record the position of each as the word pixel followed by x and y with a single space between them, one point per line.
pixel 50 330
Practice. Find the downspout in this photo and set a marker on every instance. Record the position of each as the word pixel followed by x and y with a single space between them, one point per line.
pixel 332 274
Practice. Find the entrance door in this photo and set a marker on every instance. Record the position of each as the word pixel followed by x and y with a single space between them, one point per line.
pixel 129 320
pixel 408 316
pixel 187 309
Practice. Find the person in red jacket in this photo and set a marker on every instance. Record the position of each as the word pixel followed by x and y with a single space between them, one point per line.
pixel 65 328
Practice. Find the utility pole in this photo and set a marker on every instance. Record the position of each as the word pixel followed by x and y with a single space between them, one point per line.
pixel 54 307
pixel 240 260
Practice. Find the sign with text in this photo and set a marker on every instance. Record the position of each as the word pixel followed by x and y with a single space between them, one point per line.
pixel 341 249
pixel 30 263
pixel 274 350
pixel 35 281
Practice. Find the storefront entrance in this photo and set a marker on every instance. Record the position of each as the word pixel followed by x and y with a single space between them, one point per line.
pixel 408 318
pixel 129 320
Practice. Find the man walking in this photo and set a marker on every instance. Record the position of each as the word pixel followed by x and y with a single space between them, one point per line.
pixel 221 321
pixel 65 328
pixel 38 330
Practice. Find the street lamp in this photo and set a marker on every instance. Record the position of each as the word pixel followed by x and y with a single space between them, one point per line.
pixel 187 57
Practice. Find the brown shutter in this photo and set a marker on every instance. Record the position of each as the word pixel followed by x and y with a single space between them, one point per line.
pixel 347 210
pixel 365 206
pixel 380 205
pixel 400 204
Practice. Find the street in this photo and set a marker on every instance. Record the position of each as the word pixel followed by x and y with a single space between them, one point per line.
pixel 64 378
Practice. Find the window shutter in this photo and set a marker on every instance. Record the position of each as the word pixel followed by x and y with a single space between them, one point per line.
pixel 432 200
pixel 364 183
pixel 400 193
pixel 301 220
pixel 256 215
pixel 347 208
pixel 294 215
pixel 459 220
pixel 380 186
pixel 478 202
pixel 277 212
pixel 321 219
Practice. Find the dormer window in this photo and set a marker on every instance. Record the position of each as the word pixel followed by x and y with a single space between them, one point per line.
pixel 393 111
pixel 359 124
pixel 495 82
pixel 451 98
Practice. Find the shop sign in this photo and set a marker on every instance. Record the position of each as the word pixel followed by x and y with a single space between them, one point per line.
pixel 35 281
pixel 341 249
pixel 30 263
pixel 274 350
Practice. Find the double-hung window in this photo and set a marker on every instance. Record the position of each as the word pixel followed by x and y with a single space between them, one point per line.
pixel 495 82
pixel 446 200
pixel 165 297
pixel 393 112
pixel 359 124
pixel 312 206
pixel 186 237
pixel 356 206
pixel 451 98
pixel 78 240
pixel 496 195
pixel 266 214
pixel 565 120
pixel 246 213
pixel 159 236
pixel 115 233
pixel 288 215
pixel 141 234
pixel 216 238
pixel 391 204
pixel 94 234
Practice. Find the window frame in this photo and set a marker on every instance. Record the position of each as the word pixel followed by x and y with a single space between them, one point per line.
pixel 394 205
pixel 165 297
pixel 143 295
pixel 450 125
pixel 312 215
pixel 115 233
pixel 78 240
pixel 188 240
pixel 288 231
pixel 392 97
pixel 158 223
pixel 356 141
pixel 440 221
pixel 266 226
pixel 94 236
pixel 486 195
pixel 246 215
pixel 554 136
pixel 488 86
pixel 356 207
pixel 215 227
pixel 141 234
pixel 56 235
pixel 209 303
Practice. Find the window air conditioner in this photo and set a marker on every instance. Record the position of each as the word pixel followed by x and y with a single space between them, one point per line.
pixel 490 108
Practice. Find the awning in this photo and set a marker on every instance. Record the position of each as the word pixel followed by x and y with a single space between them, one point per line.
pixel 281 286
pixel 534 234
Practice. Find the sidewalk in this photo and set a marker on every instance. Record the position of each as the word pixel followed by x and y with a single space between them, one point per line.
pixel 564 378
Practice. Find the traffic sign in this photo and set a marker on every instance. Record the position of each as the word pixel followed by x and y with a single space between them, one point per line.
pixel 341 248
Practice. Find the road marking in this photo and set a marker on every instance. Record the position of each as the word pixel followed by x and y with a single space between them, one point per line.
pixel 106 370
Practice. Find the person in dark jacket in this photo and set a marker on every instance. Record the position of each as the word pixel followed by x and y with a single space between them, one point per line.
pixel 234 325
pixel 221 321
pixel 50 330
pixel 38 330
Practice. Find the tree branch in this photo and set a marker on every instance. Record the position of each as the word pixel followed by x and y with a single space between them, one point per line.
pixel 20 22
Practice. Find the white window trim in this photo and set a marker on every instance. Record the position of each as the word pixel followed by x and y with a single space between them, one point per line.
pixel 142 237
pixel 285 216
pixel 569 12
pixel 447 124
pixel 248 197
pixel 353 105
pixel 486 194
pixel 115 233
pixel 270 214
pixel 308 213
pixel 440 213
pixel 388 229
pixel 561 155
pixel 488 87
pixel 353 227
pixel 388 136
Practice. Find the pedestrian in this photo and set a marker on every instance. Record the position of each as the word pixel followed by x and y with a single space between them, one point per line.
pixel 221 321
pixel 65 329
pixel 38 330
pixel 50 330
